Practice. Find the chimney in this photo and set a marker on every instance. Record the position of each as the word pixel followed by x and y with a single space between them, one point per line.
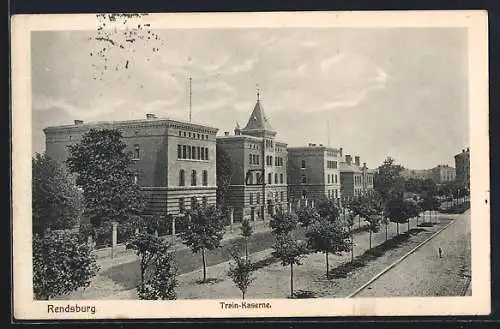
pixel 226 133
pixel 310 144
pixel 356 160
pixel 463 150
pixel 78 122
pixel 341 149
pixel 364 164
pixel 348 159
pixel 150 116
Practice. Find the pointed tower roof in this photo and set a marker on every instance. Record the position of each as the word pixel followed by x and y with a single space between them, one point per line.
pixel 258 119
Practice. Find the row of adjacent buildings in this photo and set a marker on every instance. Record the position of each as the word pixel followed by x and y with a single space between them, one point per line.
pixel 462 164
pixel 175 164
pixel 439 174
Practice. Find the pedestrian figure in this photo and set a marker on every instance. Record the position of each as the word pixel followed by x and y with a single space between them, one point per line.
pixel 440 252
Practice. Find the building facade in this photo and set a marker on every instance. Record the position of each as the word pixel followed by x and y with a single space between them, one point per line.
pixel 314 172
pixel 462 165
pixel 174 161
pixel 355 180
pixel 258 186
pixel 415 173
pixel 442 174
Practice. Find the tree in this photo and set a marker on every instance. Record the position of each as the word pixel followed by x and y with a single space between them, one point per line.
pixel 246 232
pixel 102 165
pixel 400 211
pixel 290 252
pixel 206 227
pixel 157 269
pixel 307 215
pixel 328 236
pixel 370 207
pixel 61 264
pixel 283 223
pixel 56 201
pixel 387 180
pixel 223 173
pixel 241 272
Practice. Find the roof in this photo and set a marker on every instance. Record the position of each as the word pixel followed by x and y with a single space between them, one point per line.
pixel 125 123
pixel 344 167
pixel 258 120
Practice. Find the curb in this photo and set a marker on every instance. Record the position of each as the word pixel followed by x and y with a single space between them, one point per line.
pixel 357 291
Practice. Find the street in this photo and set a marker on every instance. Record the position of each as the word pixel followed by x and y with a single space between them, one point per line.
pixel 424 273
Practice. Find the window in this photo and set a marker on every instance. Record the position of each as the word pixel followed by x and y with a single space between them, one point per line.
pixel 269 178
pixel 304 194
pixel 184 134
pixel 202 155
pixel 276 178
pixel 303 164
pixel 182 179
pixel 206 153
pixel 257 159
pixel 181 204
pixel 205 178
pixel 251 198
pixel 194 202
pixel 189 134
pixel 281 178
pixel 250 159
pixel 336 194
pixel 204 200
pixel 329 194
pixel 257 178
pixel 179 151
pixel 336 179
pixel 189 152
pixel 250 178
pixel 270 160
pixel 136 151
pixel 282 196
pixel 198 136
pixel 258 198
pixel 184 153
pixel 180 133
pixel 193 178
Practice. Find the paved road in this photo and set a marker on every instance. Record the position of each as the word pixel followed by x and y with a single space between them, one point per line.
pixel 425 274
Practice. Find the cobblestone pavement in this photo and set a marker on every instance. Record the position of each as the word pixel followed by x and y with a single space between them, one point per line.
pixel 424 273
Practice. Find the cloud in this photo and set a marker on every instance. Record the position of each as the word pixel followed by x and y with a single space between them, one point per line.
pixel 376 83
pixel 326 63
pixel 246 66
pixel 42 102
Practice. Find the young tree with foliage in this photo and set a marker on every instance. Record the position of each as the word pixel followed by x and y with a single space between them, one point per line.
pixel 397 211
pixel 157 269
pixel 307 215
pixel 241 272
pixel 246 233
pixel 412 211
pixel 56 201
pixel 387 181
pixel 329 236
pixel 102 165
pixel 61 264
pixel 206 227
pixel 290 252
pixel 283 223
pixel 223 173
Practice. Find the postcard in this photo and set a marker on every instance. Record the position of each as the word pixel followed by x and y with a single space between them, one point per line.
pixel 237 165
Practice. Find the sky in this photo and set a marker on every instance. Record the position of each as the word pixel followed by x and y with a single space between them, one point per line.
pixel 377 92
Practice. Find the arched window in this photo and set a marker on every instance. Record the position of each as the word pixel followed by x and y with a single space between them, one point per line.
pixel 193 178
pixel 182 178
pixel 269 178
pixel 276 178
pixel 205 178
pixel 303 164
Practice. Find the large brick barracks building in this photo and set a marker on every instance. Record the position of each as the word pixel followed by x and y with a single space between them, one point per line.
pixel 175 165
pixel 258 186
pixel 174 161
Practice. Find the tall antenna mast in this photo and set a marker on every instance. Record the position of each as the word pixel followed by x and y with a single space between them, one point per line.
pixel 190 97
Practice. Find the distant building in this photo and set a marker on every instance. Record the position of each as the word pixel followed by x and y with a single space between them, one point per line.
pixel 258 186
pixel 173 161
pixel 462 165
pixel 314 172
pixel 415 173
pixel 355 180
pixel 442 174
